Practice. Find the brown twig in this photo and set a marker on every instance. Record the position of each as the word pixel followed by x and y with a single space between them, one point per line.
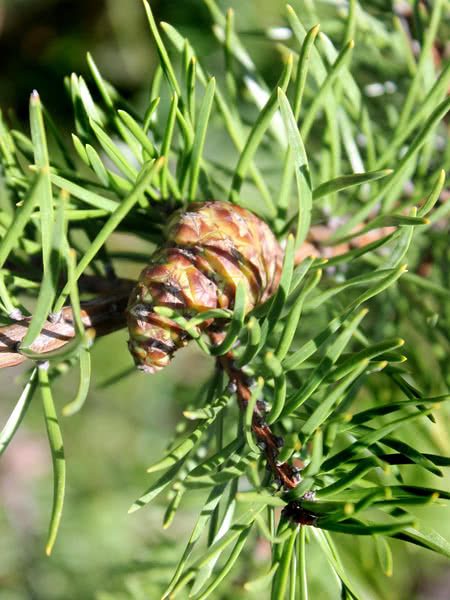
pixel 103 315
pixel 284 474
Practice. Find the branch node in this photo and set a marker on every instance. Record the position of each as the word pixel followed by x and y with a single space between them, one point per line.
pixel 16 315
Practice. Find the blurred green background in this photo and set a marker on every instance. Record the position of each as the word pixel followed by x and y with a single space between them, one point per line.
pixel 41 41
pixel 102 552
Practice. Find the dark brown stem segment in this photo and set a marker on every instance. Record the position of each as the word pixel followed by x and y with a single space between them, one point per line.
pixel 102 315
pixel 284 474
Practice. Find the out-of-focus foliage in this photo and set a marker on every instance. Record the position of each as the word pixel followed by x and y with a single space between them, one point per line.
pixel 41 41
pixel 102 552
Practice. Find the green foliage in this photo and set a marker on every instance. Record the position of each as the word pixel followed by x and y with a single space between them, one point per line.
pixel 318 147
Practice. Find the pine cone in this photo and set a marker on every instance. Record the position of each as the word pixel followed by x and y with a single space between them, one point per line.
pixel 210 249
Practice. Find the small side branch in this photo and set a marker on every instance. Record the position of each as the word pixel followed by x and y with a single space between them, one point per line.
pixel 284 474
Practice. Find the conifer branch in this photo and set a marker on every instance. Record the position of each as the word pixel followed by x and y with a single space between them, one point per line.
pixel 303 360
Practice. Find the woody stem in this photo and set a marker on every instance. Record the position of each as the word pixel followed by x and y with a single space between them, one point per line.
pixel 102 315
pixel 267 440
